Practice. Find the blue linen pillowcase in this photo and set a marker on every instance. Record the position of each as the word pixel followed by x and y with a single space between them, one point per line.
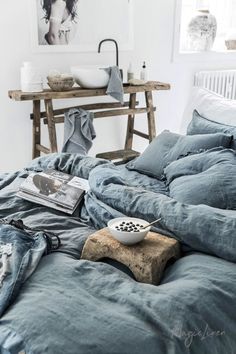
pixel 168 147
pixel 205 178
pixel 202 125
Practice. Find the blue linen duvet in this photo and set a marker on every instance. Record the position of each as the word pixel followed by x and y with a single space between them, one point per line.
pixel 79 307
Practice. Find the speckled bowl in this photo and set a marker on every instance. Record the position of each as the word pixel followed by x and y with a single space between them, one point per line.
pixel 60 83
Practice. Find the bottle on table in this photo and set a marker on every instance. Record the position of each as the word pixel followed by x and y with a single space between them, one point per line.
pixel 130 73
pixel 143 74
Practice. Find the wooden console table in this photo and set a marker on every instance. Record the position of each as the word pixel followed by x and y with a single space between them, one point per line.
pixel 53 116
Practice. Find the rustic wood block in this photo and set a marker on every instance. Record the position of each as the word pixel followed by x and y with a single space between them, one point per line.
pixel 146 259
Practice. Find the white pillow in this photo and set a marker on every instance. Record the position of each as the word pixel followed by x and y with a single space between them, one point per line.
pixel 209 105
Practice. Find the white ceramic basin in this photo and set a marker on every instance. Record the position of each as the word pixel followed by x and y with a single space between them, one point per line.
pixel 90 76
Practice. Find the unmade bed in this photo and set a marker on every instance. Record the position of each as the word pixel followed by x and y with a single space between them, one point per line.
pixel 76 306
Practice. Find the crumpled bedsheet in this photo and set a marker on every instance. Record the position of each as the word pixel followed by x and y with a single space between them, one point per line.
pixel 73 306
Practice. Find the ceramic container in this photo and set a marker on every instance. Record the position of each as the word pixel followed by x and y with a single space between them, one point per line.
pixel 90 77
pixel 202 30
pixel 126 237
pixel 230 39
pixel 31 80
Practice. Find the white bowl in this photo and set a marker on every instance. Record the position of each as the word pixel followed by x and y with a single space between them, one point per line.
pixel 92 76
pixel 125 237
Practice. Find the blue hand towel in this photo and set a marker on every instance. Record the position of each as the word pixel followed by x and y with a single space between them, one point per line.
pixel 78 131
pixel 115 85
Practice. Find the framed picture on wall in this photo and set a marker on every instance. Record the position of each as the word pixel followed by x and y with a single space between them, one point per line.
pixel 79 25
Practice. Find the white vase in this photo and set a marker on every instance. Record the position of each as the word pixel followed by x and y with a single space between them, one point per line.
pixel 202 30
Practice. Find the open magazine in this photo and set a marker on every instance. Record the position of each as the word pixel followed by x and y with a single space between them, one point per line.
pixel 54 189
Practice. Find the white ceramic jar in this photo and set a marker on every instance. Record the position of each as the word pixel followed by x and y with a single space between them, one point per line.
pixel 202 31
pixel 31 80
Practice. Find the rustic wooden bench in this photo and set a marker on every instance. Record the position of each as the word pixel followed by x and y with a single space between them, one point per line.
pixel 53 116
pixel 146 260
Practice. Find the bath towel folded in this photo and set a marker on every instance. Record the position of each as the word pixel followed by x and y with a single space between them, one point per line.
pixel 78 131
pixel 115 85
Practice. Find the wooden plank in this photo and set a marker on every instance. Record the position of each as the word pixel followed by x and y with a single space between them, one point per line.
pixel 142 135
pixel 119 154
pixel 36 129
pixel 43 149
pixel 93 106
pixel 18 95
pixel 119 112
pixel 108 113
pixel 51 125
pixel 57 120
pixel 150 115
pixel 130 123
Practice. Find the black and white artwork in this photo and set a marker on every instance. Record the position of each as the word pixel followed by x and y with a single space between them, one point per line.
pixel 79 25
pixel 57 21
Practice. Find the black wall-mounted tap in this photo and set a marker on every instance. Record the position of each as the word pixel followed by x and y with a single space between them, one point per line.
pixel 117 48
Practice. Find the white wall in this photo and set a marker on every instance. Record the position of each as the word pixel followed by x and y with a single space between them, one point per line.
pixel 153 28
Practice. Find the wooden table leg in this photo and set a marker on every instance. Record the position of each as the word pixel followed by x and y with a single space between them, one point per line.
pixel 51 125
pixel 150 115
pixel 36 129
pixel 130 124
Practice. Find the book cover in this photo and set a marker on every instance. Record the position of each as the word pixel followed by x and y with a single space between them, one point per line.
pixel 54 187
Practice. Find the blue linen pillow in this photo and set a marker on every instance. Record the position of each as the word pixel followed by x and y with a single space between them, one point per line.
pixel 202 125
pixel 204 178
pixel 168 147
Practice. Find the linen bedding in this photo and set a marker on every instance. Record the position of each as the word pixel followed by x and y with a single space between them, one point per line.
pixel 74 306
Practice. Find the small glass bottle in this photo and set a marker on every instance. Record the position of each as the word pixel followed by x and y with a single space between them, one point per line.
pixel 130 73
pixel 143 74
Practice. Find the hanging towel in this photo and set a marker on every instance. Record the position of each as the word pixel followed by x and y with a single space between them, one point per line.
pixel 78 131
pixel 115 86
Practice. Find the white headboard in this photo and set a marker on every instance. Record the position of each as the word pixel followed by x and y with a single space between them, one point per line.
pixel 211 106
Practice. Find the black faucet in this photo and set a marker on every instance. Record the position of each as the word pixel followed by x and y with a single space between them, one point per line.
pixel 117 49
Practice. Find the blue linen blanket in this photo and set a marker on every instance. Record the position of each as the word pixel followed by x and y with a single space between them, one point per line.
pixel 74 306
